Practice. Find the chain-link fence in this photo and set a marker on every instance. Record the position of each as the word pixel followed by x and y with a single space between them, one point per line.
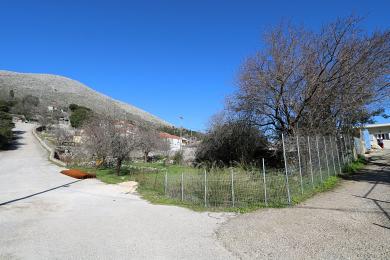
pixel 308 162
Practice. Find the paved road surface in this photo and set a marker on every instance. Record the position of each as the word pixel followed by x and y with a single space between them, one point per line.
pixel 46 215
pixel 351 222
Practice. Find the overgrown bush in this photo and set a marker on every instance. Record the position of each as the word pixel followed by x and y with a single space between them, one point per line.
pixel 6 124
pixel 354 166
pixel 79 115
pixel 178 158
pixel 234 141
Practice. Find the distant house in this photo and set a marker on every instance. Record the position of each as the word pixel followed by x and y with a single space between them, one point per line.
pixel 379 131
pixel 175 142
pixel 64 121
pixel 78 137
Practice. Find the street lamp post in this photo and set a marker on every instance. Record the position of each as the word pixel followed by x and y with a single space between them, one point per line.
pixel 181 132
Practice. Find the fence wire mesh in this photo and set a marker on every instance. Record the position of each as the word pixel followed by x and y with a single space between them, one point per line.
pixel 309 162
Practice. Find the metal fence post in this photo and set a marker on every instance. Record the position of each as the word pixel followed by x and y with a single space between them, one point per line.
pixel 332 149
pixel 265 185
pixel 338 154
pixel 319 159
pixel 299 163
pixel 232 175
pixel 166 183
pixel 326 157
pixel 182 186
pixel 205 188
pixel 285 167
pixel 311 164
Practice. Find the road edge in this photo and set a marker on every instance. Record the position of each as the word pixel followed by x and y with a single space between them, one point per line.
pixel 50 150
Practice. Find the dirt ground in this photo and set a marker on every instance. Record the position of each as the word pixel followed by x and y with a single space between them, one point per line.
pixel 350 222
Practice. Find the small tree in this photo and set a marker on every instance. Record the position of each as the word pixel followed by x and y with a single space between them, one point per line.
pixel 178 157
pixel 29 106
pixel 96 138
pixel 62 135
pixel 106 137
pixel 165 147
pixel 149 140
pixel 122 142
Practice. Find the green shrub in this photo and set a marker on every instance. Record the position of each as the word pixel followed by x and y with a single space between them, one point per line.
pixel 79 115
pixel 235 141
pixel 178 158
pixel 6 124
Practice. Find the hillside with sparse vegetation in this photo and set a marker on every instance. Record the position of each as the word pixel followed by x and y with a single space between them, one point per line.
pixel 58 91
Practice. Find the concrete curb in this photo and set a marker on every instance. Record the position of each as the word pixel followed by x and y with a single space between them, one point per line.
pixel 50 150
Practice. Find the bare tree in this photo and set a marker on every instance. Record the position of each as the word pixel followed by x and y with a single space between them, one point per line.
pixel 47 118
pixel 108 137
pixel 148 141
pixel 315 81
pixel 164 147
pixel 122 142
pixel 62 135
pixel 96 138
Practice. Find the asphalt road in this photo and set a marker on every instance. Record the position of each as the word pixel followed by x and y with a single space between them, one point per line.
pixel 47 215
pixel 350 222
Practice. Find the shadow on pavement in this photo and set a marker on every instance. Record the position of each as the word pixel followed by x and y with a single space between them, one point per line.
pixel 381 175
pixel 378 174
pixel 15 144
pixel 35 194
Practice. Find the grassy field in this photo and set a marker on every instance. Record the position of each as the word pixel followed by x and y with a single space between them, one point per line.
pixel 227 189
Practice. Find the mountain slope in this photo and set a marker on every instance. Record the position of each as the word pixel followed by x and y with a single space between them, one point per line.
pixel 59 91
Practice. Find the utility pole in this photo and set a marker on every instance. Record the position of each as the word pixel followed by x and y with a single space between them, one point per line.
pixel 181 133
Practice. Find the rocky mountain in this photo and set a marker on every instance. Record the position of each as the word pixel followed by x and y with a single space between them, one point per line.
pixel 58 91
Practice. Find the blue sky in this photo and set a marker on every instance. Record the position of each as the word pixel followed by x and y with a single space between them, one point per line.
pixel 170 58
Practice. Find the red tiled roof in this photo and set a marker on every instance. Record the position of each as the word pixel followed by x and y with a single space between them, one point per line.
pixel 168 136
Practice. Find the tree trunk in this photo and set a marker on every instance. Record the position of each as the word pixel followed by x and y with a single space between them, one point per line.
pixel 118 166
pixel 100 163
pixel 146 156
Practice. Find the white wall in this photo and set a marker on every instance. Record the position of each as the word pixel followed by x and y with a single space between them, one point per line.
pixel 379 130
pixel 174 144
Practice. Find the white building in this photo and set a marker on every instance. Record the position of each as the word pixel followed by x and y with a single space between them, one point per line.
pixel 175 142
pixel 379 131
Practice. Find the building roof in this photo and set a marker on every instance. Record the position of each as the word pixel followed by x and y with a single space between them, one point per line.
pixel 168 136
pixel 377 125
